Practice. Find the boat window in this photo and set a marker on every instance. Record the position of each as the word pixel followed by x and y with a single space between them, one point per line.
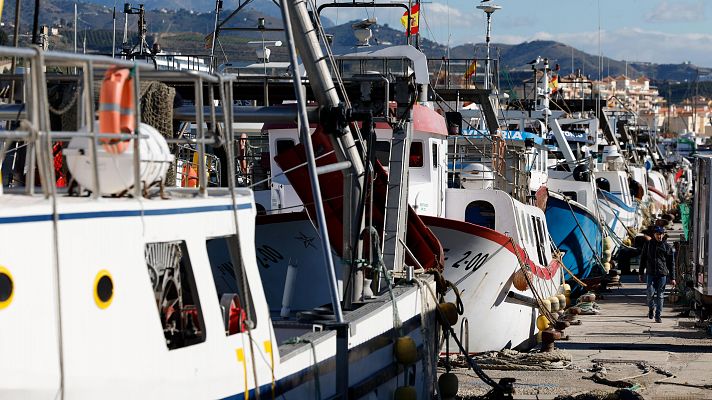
pixel 171 275
pixel 434 155
pixel 284 145
pixel 538 228
pixel 532 238
pixel 230 283
pixel 525 230
pixel 383 152
pixel 480 213
pixel 416 155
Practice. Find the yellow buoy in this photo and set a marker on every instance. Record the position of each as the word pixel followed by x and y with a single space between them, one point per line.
pixel 542 323
pixel 519 280
pixel 448 385
pixel 607 243
pixel 546 304
pixel 607 266
pixel 405 393
pixel 562 301
pixel 568 300
pixel 449 310
pixel 538 337
pixel 405 350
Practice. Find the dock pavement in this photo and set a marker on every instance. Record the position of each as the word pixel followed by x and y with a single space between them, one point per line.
pixel 668 360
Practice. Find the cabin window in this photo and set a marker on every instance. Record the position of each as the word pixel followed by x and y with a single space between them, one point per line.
pixel 415 160
pixel 435 155
pixel 230 283
pixel 174 289
pixel 383 152
pixel 480 213
pixel 525 231
pixel 283 145
pixel 539 232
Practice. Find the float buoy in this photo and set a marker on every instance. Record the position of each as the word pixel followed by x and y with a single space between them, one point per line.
pixel 405 350
pixel 521 279
pixel 449 310
pixel 448 385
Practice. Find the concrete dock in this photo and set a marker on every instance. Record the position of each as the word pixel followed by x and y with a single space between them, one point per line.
pixel 618 344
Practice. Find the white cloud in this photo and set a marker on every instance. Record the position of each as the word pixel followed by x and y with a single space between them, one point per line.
pixel 678 11
pixel 637 44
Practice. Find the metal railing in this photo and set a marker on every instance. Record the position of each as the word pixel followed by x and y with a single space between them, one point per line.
pixel 456 73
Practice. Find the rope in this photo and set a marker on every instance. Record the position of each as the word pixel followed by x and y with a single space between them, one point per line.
pixel 512 360
pixel 315 366
pixel 595 255
pixel 537 296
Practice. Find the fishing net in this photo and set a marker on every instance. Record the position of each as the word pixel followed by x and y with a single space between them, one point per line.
pixel 157 111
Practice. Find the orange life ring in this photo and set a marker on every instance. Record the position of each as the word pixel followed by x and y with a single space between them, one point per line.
pixel 116 108
pixel 190 176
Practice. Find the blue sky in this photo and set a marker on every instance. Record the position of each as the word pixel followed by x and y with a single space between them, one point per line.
pixel 661 31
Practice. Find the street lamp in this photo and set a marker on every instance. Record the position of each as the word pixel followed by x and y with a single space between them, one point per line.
pixel 489 9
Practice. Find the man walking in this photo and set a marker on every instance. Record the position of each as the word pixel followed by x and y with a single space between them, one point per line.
pixel 657 259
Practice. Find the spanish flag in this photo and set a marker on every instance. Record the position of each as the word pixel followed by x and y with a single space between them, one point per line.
pixel 414 19
pixel 471 69
pixel 554 83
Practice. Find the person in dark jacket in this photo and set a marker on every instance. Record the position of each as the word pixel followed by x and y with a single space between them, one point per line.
pixel 657 259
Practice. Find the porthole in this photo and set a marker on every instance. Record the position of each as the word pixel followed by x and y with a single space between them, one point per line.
pixel 103 289
pixel 7 287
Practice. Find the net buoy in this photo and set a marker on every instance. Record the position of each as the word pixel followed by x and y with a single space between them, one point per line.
pixel 554 303
pixel 546 304
pixel 405 350
pixel 448 385
pixel 542 323
pixel 519 280
pixel 405 393
pixel 449 310
pixel 563 303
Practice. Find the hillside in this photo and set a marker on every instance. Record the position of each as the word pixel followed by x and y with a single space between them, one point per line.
pixel 184 30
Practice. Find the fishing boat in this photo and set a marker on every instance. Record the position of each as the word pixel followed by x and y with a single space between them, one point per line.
pixel 171 275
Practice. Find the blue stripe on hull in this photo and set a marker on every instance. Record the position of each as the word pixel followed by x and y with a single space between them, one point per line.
pixel 121 213
pixel 569 238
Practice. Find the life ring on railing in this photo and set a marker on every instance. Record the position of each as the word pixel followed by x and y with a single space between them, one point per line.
pixel 189 176
pixel 116 108
pixel 242 148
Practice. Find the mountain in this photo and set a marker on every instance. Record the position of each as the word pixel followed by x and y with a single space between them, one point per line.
pixel 184 26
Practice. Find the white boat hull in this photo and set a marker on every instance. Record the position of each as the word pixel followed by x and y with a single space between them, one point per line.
pixel 480 262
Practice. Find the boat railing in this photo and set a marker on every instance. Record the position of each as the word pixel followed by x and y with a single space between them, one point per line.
pixel 462 73
pixel 24 105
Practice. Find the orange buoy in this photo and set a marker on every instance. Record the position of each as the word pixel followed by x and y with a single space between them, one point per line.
pixel 521 279
pixel 116 108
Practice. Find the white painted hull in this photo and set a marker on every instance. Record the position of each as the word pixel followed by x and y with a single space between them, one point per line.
pixel 482 270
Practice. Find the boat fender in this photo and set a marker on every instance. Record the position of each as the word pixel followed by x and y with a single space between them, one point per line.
pixel 449 311
pixel 405 393
pixel 563 301
pixel 554 303
pixel 448 385
pixel 405 350
pixel 542 323
pixel 116 108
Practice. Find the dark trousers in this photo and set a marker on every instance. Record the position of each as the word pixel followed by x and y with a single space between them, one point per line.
pixel 656 291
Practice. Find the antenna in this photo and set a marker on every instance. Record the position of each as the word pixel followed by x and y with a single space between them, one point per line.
pixel 489 9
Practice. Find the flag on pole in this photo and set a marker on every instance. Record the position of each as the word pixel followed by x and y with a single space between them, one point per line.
pixel 554 83
pixel 471 69
pixel 414 19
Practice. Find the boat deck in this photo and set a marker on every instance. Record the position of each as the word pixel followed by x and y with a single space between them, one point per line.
pixel 617 339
